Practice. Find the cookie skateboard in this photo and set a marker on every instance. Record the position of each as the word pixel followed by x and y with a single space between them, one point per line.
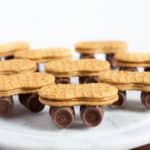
pixel 45 54
pixel 128 80
pixel 131 61
pixel 87 70
pixel 7 50
pixel 90 97
pixel 26 86
pixel 15 66
pixel 109 48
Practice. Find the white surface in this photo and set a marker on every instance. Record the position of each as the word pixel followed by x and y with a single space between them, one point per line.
pixel 120 129
pixel 61 23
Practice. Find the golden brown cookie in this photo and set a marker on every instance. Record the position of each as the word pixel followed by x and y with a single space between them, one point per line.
pixel 8 49
pixel 81 94
pixel 82 67
pixel 101 47
pixel 28 82
pixel 133 59
pixel 125 80
pixel 46 54
pixel 17 66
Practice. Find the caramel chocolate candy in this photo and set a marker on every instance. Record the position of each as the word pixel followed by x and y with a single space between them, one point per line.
pixel 128 69
pixel 87 56
pixel 62 116
pixel 63 80
pixel 9 57
pixel 145 98
pixel 122 99
pixel 31 101
pixel 91 115
pixel 6 105
pixel 110 58
pixel 147 69
pixel 89 79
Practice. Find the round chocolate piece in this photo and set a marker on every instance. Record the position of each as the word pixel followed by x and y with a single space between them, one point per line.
pixel 6 105
pixel 89 79
pixel 147 69
pixel 63 80
pixel 128 69
pixel 62 116
pixel 91 115
pixel 145 98
pixel 110 58
pixel 87 56
pixel 31 101
pixel 9 57
pixel 122 99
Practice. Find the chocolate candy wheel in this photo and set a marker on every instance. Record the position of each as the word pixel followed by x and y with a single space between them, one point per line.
pixel 9 57
pixel 89 79
pixel 91 115
pixel 145 98
pixel 87 56
pixel 64 80
pixel 38 67
pixel 110 58
pixel 122 99
pixel 6 105
pixel 128 69
pixel 62 116
pixel 147 69
pixel 31 102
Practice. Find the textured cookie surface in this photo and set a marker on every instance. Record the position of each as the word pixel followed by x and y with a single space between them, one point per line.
pixel 126 77
pixel 10 48
pixel 45 54
pixel 133 59
pixel 24 83
pixel 125 80
pixel 74 91
pixel 16 66
pixel 77 67
pixel 101 47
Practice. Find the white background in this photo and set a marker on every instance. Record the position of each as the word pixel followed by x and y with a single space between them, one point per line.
pixel 62 22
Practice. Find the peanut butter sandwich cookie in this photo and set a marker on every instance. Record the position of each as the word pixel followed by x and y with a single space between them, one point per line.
pixel 7 50
pixel 109 48
pixel 26 86
pixel 45 54
pixel 15 66
pixel 90 97
pixel 128 80
pixel 87 70
pixel 131 61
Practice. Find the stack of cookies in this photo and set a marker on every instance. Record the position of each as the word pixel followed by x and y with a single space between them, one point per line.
pixel 98 85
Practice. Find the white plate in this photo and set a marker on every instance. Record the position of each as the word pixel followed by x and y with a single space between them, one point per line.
pixel 120 129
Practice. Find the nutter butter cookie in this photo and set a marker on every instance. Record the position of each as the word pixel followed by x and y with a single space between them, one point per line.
pixel 25 84
pixel 62 98
pixel 87 69
pixel 8 49
pixel 15 66
pixel 45 54
pixel 133 60
pixel 101 47
pixel 88 49
pixel 127 80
